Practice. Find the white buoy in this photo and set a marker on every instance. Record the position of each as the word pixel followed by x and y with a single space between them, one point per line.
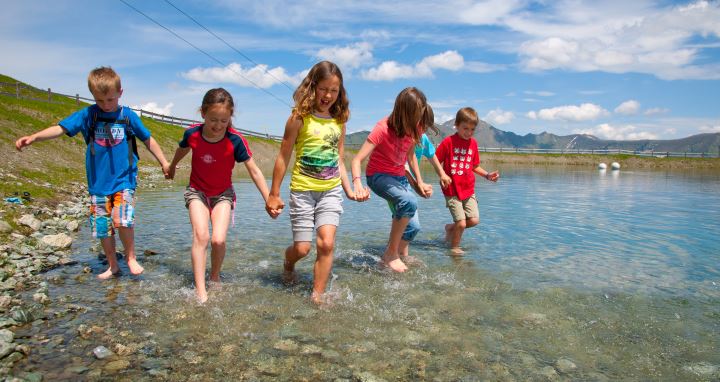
pixel 615 165
pixel 602 166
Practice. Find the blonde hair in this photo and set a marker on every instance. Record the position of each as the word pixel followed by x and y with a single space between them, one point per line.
pixel 410 109
pixel 103 79
pixel 466 114
pixel 304 95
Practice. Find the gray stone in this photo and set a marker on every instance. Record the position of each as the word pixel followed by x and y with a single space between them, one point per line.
pixel 5 227
pixel 30 221
pixel 6 348
pixel 60 241
pixel 286 345
pixel 6 336
pixel 73 225
pixel 549 373
pixel 77 369
pixel 565 365
pixel 32 377
pixel 6 321
pixel 101 352
pixel 702 369
pixel 41 298
pixel 367 377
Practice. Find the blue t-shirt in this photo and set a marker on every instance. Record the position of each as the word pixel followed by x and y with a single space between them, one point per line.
pixel 108 170
pixel 425 148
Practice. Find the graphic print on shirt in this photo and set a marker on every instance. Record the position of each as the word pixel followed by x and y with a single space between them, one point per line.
pixel 461 161
pixel 321 162
pixel 207 158
pixel 108 134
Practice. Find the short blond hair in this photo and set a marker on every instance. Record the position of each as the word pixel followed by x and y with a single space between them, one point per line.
pixel 103 80
pixel 466 114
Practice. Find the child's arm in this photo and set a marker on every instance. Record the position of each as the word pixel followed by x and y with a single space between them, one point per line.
pixel 445 180
pixel 259 179
pixel 51 132
pixel 179 155
pixel 355 168
pixel 157 152
pixel 425 189
pixel 491 176
pixel 346 185
pixel 274 204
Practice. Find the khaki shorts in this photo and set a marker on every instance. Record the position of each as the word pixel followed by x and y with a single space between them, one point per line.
pixel 192 193
pixel 462 209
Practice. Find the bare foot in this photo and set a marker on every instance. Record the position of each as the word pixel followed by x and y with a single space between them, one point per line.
pixel 289 276
pixel 396 265
pixel 321 300
pixel 109 273
pixel 214 285
pixel 456 251
pixel 135 267
pixel 201 296
pixel 411 260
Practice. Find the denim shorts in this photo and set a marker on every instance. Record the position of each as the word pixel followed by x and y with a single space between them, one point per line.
pixel 401 199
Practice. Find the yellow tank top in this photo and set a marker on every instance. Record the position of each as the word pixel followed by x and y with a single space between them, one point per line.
pixel 316 155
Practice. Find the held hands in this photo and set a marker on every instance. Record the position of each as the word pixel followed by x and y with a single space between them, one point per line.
pixel 166 169
pixel 426 190
pixel 359 193
pixel 493 176
pixel 274 206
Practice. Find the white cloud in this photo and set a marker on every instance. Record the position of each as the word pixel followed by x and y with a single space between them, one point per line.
pixel 392 70
pixel 619 133
pixel 656 110
pixel 541 93
pixel 570 113
pixel 710 128
pixel 258 76
pixel 488 12
pixel 499 117
pixel 153 107
pixel 349 56
pixel 628 107
pixel 603 37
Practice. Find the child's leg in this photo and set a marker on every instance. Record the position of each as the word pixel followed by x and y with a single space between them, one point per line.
pixel 220 222
pixel 127 237
pixel 302 220
pixel 456 234
pixel 199 216
pixel 409 234
pixel 391 257
pixel 101 225
pixel 108 245
pixel 455 230
pixel 293 254
pixel 323 263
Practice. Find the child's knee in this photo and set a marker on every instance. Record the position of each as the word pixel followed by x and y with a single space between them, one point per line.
pixel 201 237
pixel 301 248
pixel 217 241
pixel 461 224
pixel 406 206
pixel 325 246
pixel 472 222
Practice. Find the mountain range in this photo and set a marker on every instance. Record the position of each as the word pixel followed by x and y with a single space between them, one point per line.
pixel 489 136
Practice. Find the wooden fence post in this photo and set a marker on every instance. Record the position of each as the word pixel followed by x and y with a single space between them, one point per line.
pixel 17 89
pixel 49 95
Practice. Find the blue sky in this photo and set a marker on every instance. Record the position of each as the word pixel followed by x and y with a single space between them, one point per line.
pixel 615 69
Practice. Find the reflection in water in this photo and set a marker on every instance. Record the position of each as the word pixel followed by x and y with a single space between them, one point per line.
pixel 575 275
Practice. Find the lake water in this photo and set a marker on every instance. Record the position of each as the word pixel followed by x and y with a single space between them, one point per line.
pixel 572 274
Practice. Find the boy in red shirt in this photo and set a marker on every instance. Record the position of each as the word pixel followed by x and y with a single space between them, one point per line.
pixel 461 161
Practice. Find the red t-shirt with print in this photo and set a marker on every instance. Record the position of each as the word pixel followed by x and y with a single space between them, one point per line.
pixel 459 158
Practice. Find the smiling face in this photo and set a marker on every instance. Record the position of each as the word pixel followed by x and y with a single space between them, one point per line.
pixel 107 102
pixel 217 120
pixel 326 93
pixel 465 130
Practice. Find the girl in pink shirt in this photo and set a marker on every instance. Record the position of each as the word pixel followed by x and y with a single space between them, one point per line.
pixel 391 144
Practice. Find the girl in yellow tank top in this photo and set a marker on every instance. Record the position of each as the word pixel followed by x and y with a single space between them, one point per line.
pixel 316 130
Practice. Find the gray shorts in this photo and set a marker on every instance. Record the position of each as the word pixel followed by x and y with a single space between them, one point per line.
pixel 310 210
pixel 192 193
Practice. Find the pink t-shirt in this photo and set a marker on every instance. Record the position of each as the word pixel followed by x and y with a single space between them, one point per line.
pixel 390 153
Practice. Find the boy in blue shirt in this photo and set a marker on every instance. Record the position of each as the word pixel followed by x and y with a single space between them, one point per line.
pixel 110 163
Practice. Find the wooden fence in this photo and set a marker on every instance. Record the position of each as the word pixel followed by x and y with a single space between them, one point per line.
pixel 22 91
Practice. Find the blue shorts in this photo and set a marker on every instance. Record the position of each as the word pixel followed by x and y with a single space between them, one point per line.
pixel 401 199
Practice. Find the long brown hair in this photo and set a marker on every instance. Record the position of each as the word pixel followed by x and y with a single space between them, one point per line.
pixel 304 95
pixel 409 110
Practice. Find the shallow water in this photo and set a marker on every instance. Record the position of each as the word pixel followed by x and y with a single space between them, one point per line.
pixel 615 273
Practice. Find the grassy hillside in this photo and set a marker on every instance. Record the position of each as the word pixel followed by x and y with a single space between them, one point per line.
pixel 44 167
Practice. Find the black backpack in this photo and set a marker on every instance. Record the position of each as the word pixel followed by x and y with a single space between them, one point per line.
pixel 129 136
